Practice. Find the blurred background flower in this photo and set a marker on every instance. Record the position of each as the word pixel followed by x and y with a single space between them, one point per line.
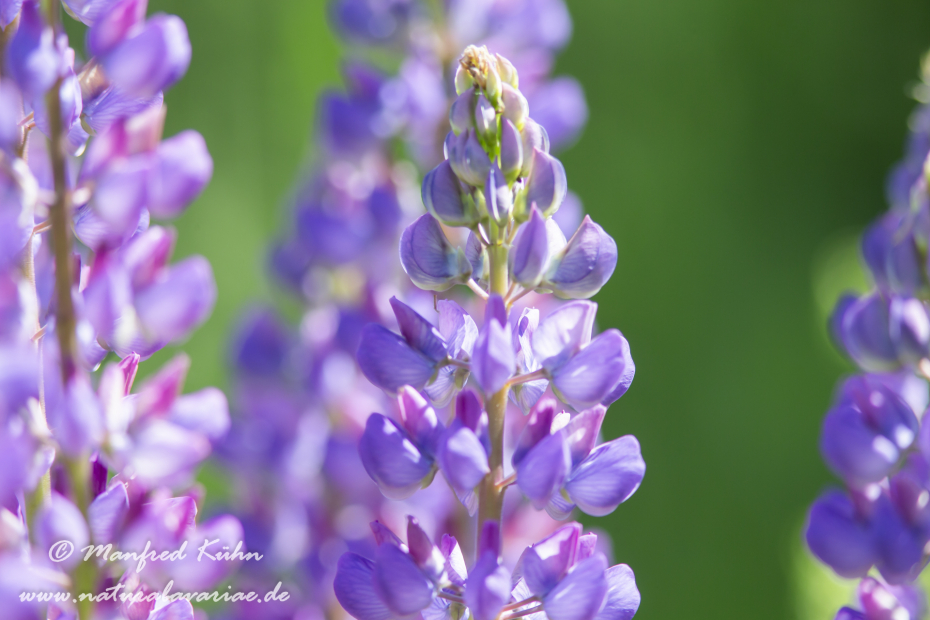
pixel 734 151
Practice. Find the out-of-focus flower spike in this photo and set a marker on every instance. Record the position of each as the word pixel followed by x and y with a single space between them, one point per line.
pixel 429 259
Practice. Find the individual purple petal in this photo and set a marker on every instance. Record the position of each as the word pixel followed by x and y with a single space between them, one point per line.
pixel 461 116
pixel 854 449
pixel 61 520
pixel 113 26
pixel 547 184
pixel 462 458
pixel 77 421
pixel 158 393
pixel 626 376
pixel 400 583
pixel 166 454
pixel 180 301
pixel 391 458
pixel 563 333
pixel 592 375
pixel 418 332
pixel 429 259
pixel 538 427
pixel 455 560
pixel 840 538
pixel 107 513
pixel 151 60
pixel 9 9
pixel 182 168
pixel 585 264
pixel 477 256
pixel 443 197
pixel 419 419
pixel 146 254
pixel 114 104
pixel 582 431
pixel 118 200
pixel 389 362
pixel 530 253
pixel 580 595
pixel 457 328
pixel 383 534
pixel 498 195
pixel 468 159
pixel 542 472
pixel 607 477
pixel 899 544
pixel 548 561
pixel 205 411
pixel 511 150
pixel 355 591
pixel 32 59
pixel 622 594
pixel 485 118
pixel 847 613
pixel 494 360
pixel 488 587
pixel 425 554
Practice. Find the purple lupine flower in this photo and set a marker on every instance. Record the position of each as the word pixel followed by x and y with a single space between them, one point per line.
pixel 547 184
pixel 181 170
pixel 107 30
pixel 839 536
pixel 583 372
pixel 463 449
pixel 556 452
pixel 400 457
pixel 531 251
pixel 33 58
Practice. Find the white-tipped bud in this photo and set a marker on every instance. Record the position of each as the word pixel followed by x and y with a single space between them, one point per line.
pixel 463 80
pixel 507 71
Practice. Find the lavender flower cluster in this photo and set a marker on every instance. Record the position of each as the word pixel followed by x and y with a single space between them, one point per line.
pixel 876 437
pixel 87 292
pixel 317 472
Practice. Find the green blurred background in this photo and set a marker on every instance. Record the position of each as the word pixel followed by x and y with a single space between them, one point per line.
pixel 734 149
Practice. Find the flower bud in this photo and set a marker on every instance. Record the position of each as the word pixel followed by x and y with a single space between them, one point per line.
pixel 468 158
pixel 534 136
pixel 429 259
pixel 511 150
pixel 529 258
pixel 585 263
pixel 443 196
pixel 493 85
pixel 463 80
pixel 461 113
pixel 507 71
pixel 498 196
pixel 547 184
pixel 485 118
pixel 515 106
